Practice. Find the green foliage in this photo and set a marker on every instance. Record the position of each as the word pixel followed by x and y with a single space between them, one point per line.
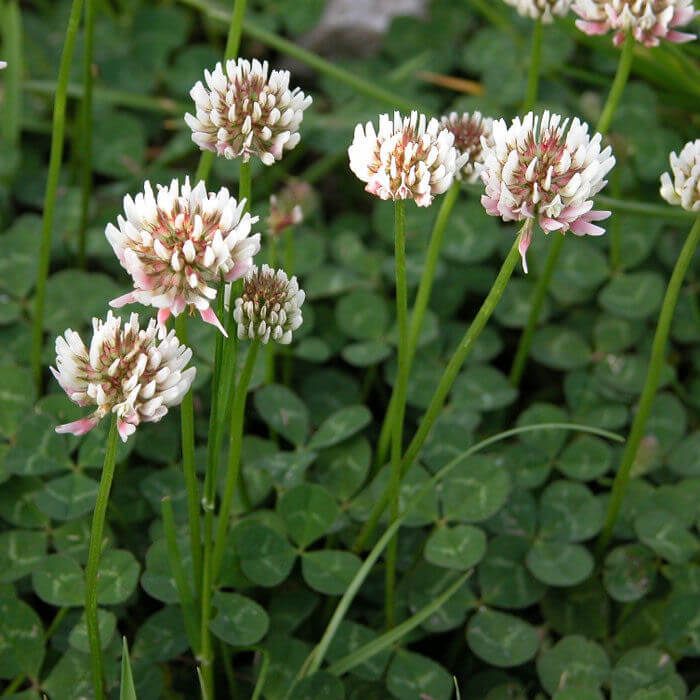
pixel 545 613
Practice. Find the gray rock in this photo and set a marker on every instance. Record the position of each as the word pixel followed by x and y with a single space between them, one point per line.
pixel 355 27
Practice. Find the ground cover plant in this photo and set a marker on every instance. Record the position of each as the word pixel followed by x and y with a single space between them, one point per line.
pixel 330 376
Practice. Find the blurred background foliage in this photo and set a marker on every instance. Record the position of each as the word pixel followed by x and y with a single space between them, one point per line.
pixel 539 617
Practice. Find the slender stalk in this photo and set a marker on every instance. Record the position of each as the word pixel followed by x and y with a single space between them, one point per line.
pixel 245 185
pixel 234 456
pixel 287 365
pixel 184 592
pixel 315 659
pixel 399 411
pixel 206 654
pixel 618 87
pixel 188 468
pixel 270 349
pixel 533 76
pixel 420 306
pixel 233 42
pixel 449 375
pixel 57 135
pixel 11 32
pixel 651 384
pixel 540 292
pixel 98 522
pixel 215 438
pixel 214 546
pixel 85 134
pixel 538 297
pixel 661 211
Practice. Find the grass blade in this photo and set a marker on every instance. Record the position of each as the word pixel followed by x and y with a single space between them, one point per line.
pixel 367 651
pixel 127 690
pixel 11 31
pixel 315 659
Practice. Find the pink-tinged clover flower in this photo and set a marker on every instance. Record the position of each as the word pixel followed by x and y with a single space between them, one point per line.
pixel 406 158
pixel 648 20
pixel 538 170
pixel 288 205
pixel 469 131
pixel 269 307
pixel 126 371
pixel 545 10
pixel 244 112
pixel 684 189
pixel 176 243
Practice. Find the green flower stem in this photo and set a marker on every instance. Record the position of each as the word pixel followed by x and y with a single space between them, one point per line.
pixel 233 42
pixel 98 522
pixel 245 186
pixel 214 546
pixel 184 591
pixel 315 658
pixel 624 67
pixel 397 418
pixel 449 375
pixel 222 363
pixel 540 292
pixel 55 159
pixel 537 302
pixel 234 457
pixel 85 133
pixel 11 32
pixel 287 364
pixel 419 307
pixel 188 468
pixel 206 654
pixel 270 349
pixel 289 48
pixel 660 211
pixel 533 76
pixel 651 384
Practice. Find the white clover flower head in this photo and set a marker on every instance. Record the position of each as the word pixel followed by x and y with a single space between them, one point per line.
pixel 174 244
pixel 269 306
pixel 406 158
pixel 545 10
pixel 287 207
pixel 126 371
pixel 469 131
pixel 3 64
pixel 648 20
pixel 540 170
pixel 684 189
pixel 244 112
